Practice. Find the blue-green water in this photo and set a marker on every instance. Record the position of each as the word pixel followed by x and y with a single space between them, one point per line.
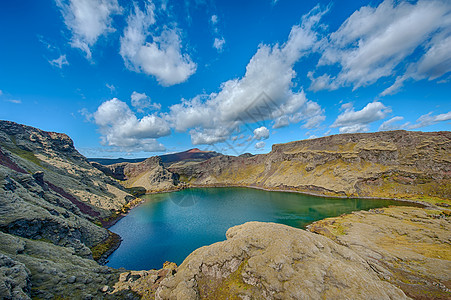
pixel 169 226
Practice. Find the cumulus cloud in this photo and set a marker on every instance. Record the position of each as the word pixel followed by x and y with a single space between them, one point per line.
pixel 162 57
pixel 261 133
pixel 120 127
pixel 214 19
pixel 260 145
pixel 374 41
pixel 59 62
pixel 218 44
pixel 141 101
pixel 351 121
pixel 391 124
pixel 430 119
pixel 88 20
pixel 263 93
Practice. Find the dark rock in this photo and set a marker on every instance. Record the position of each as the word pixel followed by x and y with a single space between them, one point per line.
pixel 71 279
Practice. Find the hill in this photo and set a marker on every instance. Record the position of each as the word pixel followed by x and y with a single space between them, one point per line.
pixel 395 164
pixel 52 202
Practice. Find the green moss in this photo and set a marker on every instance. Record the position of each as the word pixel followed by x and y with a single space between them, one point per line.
pixel 104 247
pixel 136 191
pixel 45 240
pixel 231 288
pixel 27 155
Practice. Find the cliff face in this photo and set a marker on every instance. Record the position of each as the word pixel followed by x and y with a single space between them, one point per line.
pixel 149 174
pixel 50 200
pixel 383 164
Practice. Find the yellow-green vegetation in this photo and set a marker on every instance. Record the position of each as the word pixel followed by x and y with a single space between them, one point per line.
pixel 106 246
pixel 136 191
pixel 242 175
pixel 411 243
pixel 28 155
pixel 230 288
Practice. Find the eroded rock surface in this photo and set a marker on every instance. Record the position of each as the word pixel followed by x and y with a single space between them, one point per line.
pixel 274 261
pixel 15 280
pixel 407 246
pixel 396 164
pixel 52 202
pixel 149 174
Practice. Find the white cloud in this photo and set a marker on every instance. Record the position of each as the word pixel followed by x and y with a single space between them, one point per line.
pixel 435 63
pixel 88 20
pixel 162 57
pixel 218 44
pixel 260 145
pixel 120 127
pixel 351 121
pixel 429 119
pixel 263 93
pixel 354 128
pixel 142 101
pixel 261 133
pixel 390 124
pixel 214 19
pixel 323 82
pixel 282 121
pixel 85 113
pixel 15 101
pixel 59 62
pixel 111 87
pixel 209 136
pixel 374 41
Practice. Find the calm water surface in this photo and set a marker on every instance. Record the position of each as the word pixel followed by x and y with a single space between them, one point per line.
pixel 169 226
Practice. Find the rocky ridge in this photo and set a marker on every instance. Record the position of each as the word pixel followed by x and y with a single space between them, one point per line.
pixel 150 174
pixel 395 164
pixel 52 202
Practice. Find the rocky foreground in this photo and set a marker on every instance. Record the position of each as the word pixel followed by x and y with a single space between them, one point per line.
pixel 54 206
pixel 393 253
pixel 407 246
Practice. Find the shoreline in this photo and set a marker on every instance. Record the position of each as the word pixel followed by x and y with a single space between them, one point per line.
pixel 138 201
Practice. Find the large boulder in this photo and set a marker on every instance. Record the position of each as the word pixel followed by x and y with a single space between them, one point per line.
pixel 274 261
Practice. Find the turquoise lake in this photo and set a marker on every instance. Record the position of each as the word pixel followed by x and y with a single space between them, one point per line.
pixel 169 226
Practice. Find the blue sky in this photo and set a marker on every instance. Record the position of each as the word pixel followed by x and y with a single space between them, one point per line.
pixel 138 78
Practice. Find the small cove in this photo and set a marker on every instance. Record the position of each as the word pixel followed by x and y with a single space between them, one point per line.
pixel 169 226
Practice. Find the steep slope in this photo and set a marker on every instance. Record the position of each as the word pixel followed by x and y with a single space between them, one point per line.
pixel 383 164
pixel 150 175
pixel 52 201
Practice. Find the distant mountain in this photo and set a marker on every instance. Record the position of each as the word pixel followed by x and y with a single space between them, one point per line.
pixel 112 161
pixel 192 155
pixel 152 174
